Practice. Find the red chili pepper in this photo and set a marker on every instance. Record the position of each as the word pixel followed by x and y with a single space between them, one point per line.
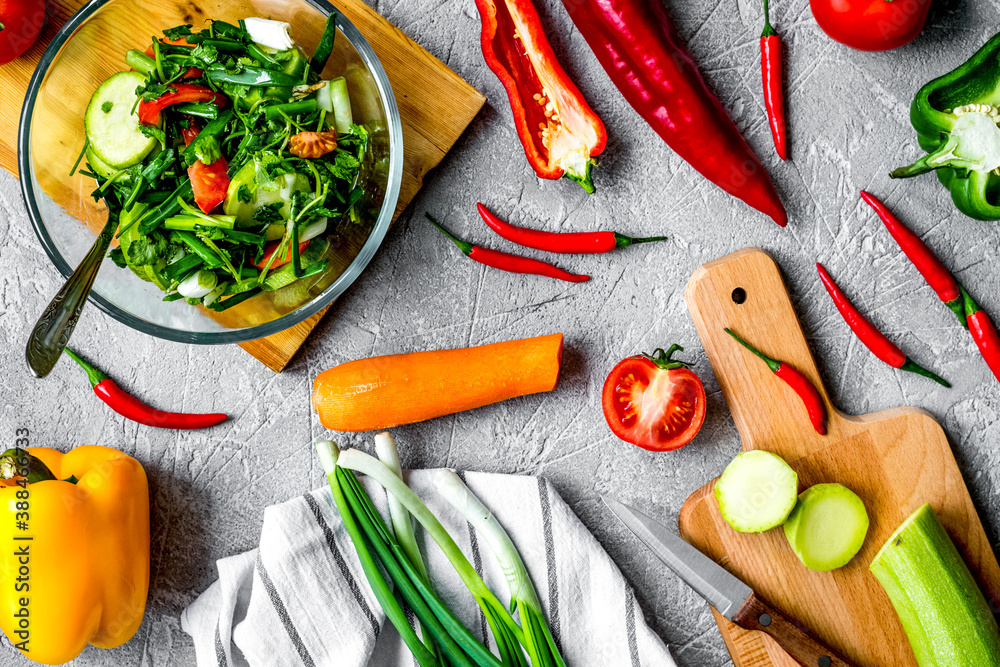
pixel 573 243
pixel 510 263
pixel 795 379
pixel 930 267
pixel 774 94
pixel 149 112
pixel 637 46
pixel 983 332
pixel 559 131
pixel 135 410
pixel 874 340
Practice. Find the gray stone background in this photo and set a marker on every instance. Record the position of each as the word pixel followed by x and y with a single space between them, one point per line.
pixel 848 114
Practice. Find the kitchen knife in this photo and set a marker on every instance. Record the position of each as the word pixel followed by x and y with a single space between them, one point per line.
pixel 730 596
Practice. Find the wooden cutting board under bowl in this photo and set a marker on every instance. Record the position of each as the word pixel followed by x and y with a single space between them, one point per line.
pixel 894 460
pixel 435 104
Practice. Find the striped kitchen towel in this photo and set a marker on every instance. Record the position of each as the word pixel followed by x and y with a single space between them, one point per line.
pixel 301 597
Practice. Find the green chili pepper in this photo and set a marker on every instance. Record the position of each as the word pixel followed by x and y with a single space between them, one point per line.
pixel 325 46
pixel 253 76
pixel 956 118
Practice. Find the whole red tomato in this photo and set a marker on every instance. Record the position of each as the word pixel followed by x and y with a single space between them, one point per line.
pixel 20 23
pixel 871 25
pixel 654 401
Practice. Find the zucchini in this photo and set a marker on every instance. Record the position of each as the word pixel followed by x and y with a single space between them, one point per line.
pixel 827 527
pixel 757 491
pixel 942 610
pixel 261 191
pixel 285 274
pixel 102 168
pixel 112 125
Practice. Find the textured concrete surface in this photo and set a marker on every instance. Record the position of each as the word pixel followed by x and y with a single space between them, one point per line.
pixel 849 125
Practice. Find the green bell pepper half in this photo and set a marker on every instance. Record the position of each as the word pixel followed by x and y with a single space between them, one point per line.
pixel 963 149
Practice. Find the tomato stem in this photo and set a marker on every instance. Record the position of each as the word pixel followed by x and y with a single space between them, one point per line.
pixel 663 359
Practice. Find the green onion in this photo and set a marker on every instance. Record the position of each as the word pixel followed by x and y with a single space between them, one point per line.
pixel 190 222
pixel 194 244
pixel 275 111
pixel 226 304
pixel 198 284
pixel 402 522
pixel 182 266
pixel 140 62
pixel 157 61
pixel 341 103
pixel 506 632
pixel 539 642
pixel 328 455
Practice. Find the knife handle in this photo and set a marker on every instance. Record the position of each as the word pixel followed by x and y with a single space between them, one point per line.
pixel 756 614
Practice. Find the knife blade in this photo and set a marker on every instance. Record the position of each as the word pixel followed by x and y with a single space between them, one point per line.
pixel 732 598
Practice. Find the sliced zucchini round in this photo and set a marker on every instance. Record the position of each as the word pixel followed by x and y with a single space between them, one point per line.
pixel 827 527
pixel 112 125
pixel 262 190
pixel 757 491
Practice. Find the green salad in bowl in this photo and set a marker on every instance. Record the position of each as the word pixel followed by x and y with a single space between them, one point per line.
pixel 229 163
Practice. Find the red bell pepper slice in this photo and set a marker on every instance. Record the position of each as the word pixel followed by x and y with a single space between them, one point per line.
pixel 559 131
pixel 149 112
pixel 272 248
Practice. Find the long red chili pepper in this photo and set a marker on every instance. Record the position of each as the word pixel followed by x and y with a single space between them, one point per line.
pixel 774 94
pixel 134 409
pixel 930 267
pixel 510 263
pixel 867 333
pixel 799 383
pixel 559 131
pixel 983 332
pixel 638 48
pixel 570 243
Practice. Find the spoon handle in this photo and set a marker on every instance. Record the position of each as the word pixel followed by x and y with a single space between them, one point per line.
pixel 56 324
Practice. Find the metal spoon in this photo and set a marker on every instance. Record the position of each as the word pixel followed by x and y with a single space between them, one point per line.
pixel 55 326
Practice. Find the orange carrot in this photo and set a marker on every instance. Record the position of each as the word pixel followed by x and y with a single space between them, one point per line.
pixel 382 392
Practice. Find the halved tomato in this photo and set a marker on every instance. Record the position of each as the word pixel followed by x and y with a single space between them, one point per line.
pixel 654 401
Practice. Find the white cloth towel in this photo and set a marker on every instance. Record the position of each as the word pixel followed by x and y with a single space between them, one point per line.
pixel 301 598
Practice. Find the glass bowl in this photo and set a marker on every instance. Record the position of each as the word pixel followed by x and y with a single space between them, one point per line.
pixel 91 47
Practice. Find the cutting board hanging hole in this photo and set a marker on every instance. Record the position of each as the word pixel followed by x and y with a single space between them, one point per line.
pixel 739 295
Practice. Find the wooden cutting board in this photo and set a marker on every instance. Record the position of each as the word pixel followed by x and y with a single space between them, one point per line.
pixel 436 105
pixel 894 460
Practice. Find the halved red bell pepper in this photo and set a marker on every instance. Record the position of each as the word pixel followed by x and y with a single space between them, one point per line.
pixel 560 132
pixel 272 248
pixel 149 112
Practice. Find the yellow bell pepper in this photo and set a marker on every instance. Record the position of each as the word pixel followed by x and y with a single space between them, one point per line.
pixel 74 557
